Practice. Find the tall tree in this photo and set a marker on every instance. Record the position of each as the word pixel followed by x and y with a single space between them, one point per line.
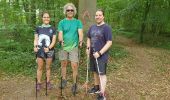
pixel 86 13
pixel 33 13
pixel 144 18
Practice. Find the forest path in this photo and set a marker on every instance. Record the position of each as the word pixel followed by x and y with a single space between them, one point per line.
pixel 144 74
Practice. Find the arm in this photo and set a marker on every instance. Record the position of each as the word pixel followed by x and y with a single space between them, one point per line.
pixel 60 33
pixel 80 32
pixel 106 47
pixel 88 47
pixel 103 50
pixel 60 37
pixel 53 42
pixel 35 42
pixel 88 43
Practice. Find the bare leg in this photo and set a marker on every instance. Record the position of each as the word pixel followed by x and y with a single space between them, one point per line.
pixel 74 66
pixel 64 70
pixel 48 68
pixel 104 81
pixel 96 78
pixel 40 62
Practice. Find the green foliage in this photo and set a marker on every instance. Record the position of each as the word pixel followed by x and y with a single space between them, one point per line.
pixel 165 45
pixel 17 62
pixel 117 52
pixel 127 34
pixel 111 9
pixel 142 17
pixel 159 42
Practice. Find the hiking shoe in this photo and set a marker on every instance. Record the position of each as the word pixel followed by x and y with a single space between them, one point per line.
pixel 63 84
pixel 38 86
pixel 101 97
pixel 74 89
pixel 93 91
pixel 49 86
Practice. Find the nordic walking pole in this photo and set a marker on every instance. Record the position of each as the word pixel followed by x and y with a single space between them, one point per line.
pixel 46 77
pixel 46 85
pixel 98 71
pixel 36 87
pixel 87 72
pixel 74 93
pixel 85 85
pixel 61 87
pixel 61 92
pixel 36 81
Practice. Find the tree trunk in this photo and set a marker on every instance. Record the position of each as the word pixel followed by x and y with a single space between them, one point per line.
pixel 33 14
pixel 26 9
pixel 145 14
pixel 87 9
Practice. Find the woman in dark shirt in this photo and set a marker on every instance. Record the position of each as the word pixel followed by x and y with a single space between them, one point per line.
pixel 44 42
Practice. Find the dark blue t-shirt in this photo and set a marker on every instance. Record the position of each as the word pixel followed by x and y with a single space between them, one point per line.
pixel 45 33
pixel 99 35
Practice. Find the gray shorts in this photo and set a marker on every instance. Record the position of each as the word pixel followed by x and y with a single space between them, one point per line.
pixel 101 65
pixel 71 55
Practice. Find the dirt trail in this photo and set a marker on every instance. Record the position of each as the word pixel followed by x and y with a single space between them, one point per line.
pixel 143 75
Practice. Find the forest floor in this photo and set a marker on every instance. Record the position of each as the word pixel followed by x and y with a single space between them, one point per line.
pixel 142 75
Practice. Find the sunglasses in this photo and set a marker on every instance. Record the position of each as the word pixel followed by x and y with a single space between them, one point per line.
pixel 70 10
pixel 46 17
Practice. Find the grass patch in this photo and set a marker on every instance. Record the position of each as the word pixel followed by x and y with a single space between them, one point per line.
pixel 117 52
pixel 161 41
pixel 162 69
pixel 16 54
pixel 164 45
pixel 17 62
pixel 127 34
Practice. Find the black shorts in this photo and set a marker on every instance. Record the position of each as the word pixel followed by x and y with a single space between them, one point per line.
pixel 42 54
pixel 101 65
